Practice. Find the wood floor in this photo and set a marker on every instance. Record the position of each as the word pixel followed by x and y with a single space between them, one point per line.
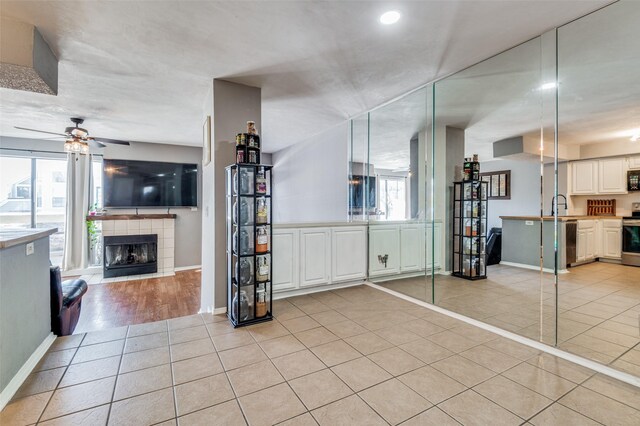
pixel 135 302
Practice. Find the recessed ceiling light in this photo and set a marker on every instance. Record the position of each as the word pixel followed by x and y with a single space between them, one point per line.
pixel 548 86
pixel 390 17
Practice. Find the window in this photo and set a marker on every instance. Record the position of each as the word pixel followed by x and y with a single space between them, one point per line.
pixel 393 198
pixel 57 202
pixel 499 184
pixel 26 183
pixel 15 192
pixel 51 187
pixel 95 227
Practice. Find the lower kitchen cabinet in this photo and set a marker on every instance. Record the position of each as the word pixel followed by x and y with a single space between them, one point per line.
pixel 315 256
pixel 412 247
pixel 586 241
pixel 611 239
pixel 348 253
pixel 286 260
pixel 599 238
pixel 384 250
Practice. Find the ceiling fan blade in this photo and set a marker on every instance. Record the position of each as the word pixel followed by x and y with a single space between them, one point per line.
pixel 96 144
pixel 113 141
pixel 40 131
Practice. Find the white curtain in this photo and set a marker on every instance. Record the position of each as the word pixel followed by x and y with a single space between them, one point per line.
pixel 76 238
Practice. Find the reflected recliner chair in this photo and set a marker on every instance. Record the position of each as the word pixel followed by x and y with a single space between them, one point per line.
pixel 66 302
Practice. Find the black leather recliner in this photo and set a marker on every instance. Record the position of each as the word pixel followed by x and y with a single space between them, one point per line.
pixel 66 302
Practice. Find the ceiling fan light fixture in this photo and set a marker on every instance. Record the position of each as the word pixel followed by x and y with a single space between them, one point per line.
pixel 76 146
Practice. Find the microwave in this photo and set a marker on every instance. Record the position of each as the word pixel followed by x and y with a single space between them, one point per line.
pixel 633 180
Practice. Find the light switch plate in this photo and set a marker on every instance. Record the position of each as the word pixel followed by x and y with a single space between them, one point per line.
pixel 30 249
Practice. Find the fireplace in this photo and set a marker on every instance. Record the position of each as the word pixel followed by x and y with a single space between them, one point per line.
pixel 130 255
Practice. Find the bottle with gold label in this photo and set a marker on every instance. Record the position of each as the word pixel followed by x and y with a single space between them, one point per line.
pixel 262 239
pixel 261 181
pixel 263 268
pixel 262 213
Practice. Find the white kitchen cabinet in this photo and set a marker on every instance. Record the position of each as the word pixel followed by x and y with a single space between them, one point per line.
pixel 586 241
pixel 611 239
pixel 436 258
pixel 315 256
pixel 412 247
pixel 285 259
pixel 348 253
pixel 634 162
pixel 584 177
pixel 384 250
pixel 612 176
pixel 581 246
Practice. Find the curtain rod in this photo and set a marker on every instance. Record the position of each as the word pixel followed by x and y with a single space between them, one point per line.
pixel 36 151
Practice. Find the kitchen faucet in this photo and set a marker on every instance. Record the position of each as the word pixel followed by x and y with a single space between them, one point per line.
pixel 553 205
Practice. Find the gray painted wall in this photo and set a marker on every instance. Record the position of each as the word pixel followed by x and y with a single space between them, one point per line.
pixel 230 105
pixel 521 243
pixel 310 179
pixel 25 313
pixel 525 190
pixel 454 152
pixel 188 232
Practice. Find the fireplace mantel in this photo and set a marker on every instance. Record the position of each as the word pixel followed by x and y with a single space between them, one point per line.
pixel 132 216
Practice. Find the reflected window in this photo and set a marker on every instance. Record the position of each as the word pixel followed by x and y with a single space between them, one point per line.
pixel 393 198
pixel 499 184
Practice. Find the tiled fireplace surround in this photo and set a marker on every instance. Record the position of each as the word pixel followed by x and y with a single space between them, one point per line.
pixel 164 228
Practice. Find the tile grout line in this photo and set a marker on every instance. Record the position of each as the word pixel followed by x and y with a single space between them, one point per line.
pixel 56 388
pixel 115 383
pixel 593 365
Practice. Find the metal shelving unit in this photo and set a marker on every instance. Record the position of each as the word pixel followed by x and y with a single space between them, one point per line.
pixel 470 229
pixel 249 266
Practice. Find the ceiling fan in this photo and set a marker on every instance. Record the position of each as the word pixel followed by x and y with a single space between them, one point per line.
pixel 77 138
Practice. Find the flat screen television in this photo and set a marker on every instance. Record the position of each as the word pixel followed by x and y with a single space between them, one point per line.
pixel 129 184
pixel 358 194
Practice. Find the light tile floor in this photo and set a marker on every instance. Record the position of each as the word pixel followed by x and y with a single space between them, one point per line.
pixel 354 356
pixel 598 307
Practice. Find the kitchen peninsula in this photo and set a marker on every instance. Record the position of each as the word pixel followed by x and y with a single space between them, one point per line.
pixel 25 312
pixel 581 239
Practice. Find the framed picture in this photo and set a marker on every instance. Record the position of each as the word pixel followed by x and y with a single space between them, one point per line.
pixel 499 184
pixel 206 141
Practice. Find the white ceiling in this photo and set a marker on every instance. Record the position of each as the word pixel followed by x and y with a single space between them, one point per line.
pixel 598 93
pixel 140 70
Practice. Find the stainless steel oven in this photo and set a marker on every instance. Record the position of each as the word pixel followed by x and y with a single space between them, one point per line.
pixel 631 237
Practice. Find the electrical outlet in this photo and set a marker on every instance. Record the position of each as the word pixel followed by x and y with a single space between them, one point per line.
pixel 30 249
pixel 528 222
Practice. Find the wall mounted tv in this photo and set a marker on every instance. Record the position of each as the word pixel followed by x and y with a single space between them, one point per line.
pixel 149 184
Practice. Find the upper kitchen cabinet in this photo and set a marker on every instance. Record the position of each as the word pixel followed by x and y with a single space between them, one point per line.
pixel 604 176
pixel 612 176
pixel 584 177
pixel 634 162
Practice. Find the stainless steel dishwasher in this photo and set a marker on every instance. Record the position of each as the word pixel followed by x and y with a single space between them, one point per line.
pixel 571 241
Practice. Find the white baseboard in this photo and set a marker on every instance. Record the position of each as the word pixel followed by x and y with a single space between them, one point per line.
pixel 302 291
pixel 593 365
pixel 533 268
pixel 22 374
pixel 76 272
pixel 212 310
pixel 186 268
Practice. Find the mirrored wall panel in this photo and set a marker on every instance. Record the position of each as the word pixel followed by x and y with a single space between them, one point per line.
pixel 509 192
pixel 490 152
pixel 599 171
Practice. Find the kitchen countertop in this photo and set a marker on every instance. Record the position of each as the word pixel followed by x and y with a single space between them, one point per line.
pixel 560 218
pixel 16 236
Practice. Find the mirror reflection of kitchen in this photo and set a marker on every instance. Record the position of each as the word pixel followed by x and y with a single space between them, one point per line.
pixel 575 285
